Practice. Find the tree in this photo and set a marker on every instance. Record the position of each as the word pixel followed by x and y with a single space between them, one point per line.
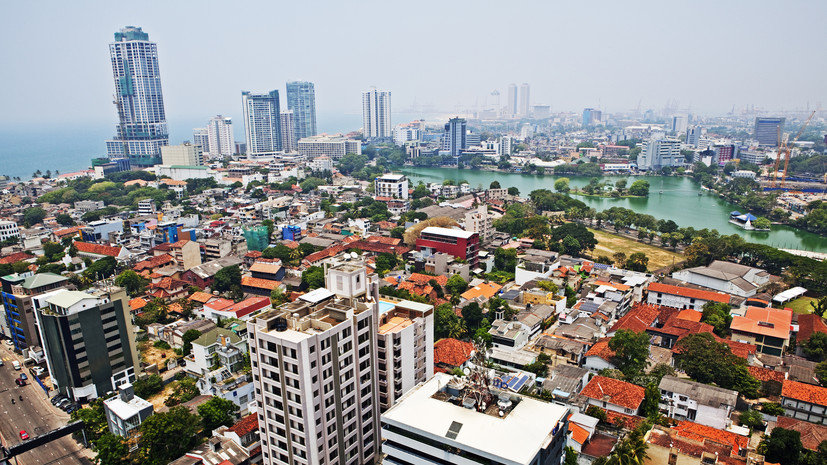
pixel 444 318
pixel 639 188
pixel 472 314
pixel 585 238
pixel 620 185
pixel 782 446
pixel 762 223
pixel 111 449
pixel 821 373
pixel 131 281
pixel 631 351
pixel 456 285
pixel 385 262
pixel 596 412
pixel 217 412
pixel 638 261
pixel 772 408
pixel 494 185
pixel 226 277
pixel 277 297
pixel 183 391
pixel 64 219
pixel 313 278
pixel 571 456
pixel 751 419
pixel 149 386
pixel 619 259
pixel 187 338
pixel 651 397
pixel 819 306
pixel 103 268
pixel 815 348
pixel 505 259
pixel 165 436
pixel 562 185
pixel 708 361
pixel 33 216
pixel 513 191
pixel 718 315
pixel 93 418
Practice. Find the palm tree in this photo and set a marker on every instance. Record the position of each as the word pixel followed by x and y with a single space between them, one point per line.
pixel 457 329
pixel 630 451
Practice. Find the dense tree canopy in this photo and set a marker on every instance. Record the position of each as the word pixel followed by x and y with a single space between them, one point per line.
pixel 631 352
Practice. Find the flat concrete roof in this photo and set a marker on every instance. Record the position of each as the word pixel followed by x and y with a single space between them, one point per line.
pixel 447 232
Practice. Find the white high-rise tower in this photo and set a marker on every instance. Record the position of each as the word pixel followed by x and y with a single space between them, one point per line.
pixel 376 114
pixel 220 136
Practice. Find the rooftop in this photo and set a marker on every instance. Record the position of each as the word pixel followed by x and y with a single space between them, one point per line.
pixel 689 292
pixel 626 395
pixel 705 394
pixel 768 321
pixel 448 232
pixel 804 392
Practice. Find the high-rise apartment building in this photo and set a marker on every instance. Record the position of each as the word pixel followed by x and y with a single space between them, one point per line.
pixel 262 123
pixel 184 154
pixel 659 153
pixel 201 138
pixel 220 135
pixel 525 99
pixel 376 114
pixel 288 131
pixel 88 341
pixel 19 319
pixel 142 123
pixel 453 139
pixel 301 98
pixel 511 103
pixel 769 131
pixel 314 364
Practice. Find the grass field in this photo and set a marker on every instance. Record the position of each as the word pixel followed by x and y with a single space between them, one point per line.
pixel 609 244
pixel 801 305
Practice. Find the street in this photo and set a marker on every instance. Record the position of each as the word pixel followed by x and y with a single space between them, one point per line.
pixel 34 414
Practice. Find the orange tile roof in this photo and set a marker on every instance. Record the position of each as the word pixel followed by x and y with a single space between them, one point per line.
pixel 153 262
pixel 811 434
pixel 260 283
pixel 614 391
pixel 638 318
pixel 768 321
pixel 701 433
pixel 97 249
pixel 179 244
pixel 765 374
pixel 384 240
pixel 67 231
pixel 137 304
pixel 689 292
pixel 804 392
pixel 601 350
pixel 245 426
pixel 690 315
pixel 622 420
pixel 578 433
pixel 486 290
pixel 422 279
pixel 15 257
pixel 202 297
pixel 809 324
pixel 618 286
pixel 452 352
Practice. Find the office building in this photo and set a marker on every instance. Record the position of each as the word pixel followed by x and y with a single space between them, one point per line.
pixel 725 153
pixel 301 99
pixel 19 322
pixel 455 242
pixel 8 229
pixel 220 136
pixel 453 138
pixel 413 131
pixel 334 147
pixel 262 123
pixel 592 116
pixel 525 100
pixel 542 111
pixel 769 131
pixel 376 114
pixel 511 103
pixel 288 131
pixel 184 154
pixel 314 364
pixel 88 340
pixel 693 136
pixel 446 420
pixel 142 123
pixel 201 138
pixel 679 123
pixel 659 153
pixel 126 411
pixel 391 185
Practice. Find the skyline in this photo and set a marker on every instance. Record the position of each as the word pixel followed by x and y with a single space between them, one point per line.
pixel 611 57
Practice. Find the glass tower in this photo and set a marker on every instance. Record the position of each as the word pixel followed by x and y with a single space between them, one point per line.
pixel 142 123
pixel 301 98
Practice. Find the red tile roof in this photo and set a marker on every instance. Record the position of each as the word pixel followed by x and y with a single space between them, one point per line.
pixel 772 322
pixel 179 244
pixel 689 314
pixel 252 254
pixel 97 249
pixel 638 318
pixel 153 262
pixel 614 391
pixel 246 425
pixel 622 420
pixel 811 434
pixel 422 279
pixel 809 324
pixel 260 283
pixel 452 352
pixel 384 240
pixel 689 292
pixel 248 306
pixel 765 374
pixel 804 392
pixel 201 297
pixel 67 231
pixel 601 350
pixel 701 433
pixel 15 257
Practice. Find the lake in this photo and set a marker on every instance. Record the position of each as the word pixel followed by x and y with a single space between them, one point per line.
pixel 679 202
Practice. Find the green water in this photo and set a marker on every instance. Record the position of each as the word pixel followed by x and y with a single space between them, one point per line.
pixel 679 202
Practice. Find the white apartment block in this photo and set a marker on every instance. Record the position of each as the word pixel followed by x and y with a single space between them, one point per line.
pixel 659 153
pixel 201 138
pixel 334 147
pixel 682 399
pixel 406 348
pixel 8 229
pixel 288 131
pixel 323 163
pixel 478 221
pixel 220 137
pixel 391 185
pixel 314 369
pixel 376 114
pixel 184 154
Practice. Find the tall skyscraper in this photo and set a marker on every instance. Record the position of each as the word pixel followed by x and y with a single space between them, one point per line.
pixel 511 103
pixel 142 123
pixel 301 98
pixel 453 139
pixel 376 114
pixel 769 131
pixel 220 135
pixel 525 100
pixel 288 131
pixel 262 123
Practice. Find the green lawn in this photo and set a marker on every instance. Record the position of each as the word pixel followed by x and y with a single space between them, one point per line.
pixel 801 305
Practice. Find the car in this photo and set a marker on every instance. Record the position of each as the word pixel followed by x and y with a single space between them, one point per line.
pixel 71 408
pixel 38 371
pixel 57 399
pixel 9 342
pixel 1 362
pixel 15 364
pixel 23 376
pixel 63 403
pixel 24 435
pixel 20 382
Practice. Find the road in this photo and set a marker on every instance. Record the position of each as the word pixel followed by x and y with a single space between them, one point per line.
pixel 36 415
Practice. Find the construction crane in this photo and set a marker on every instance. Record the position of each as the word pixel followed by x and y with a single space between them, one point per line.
pixel 785 147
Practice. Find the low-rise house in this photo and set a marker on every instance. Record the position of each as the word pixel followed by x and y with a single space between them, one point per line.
pixel 126 411
pixel 202 275
pixel 217 362
pixel 804 401
pixel 683 399
pixel 581 429
pixel 508 335
pixel 566 381
pixel 98 251
pixel 216 451
pixel 245 433
pixel 727 277
pixel 614 395
pixel 535 265
pixel 220 309
pixel 561 350
pixel 808 325
pixel 812 434
pixel 599 357
pixel 690 444
pixel 450 353
pixel 767 328
pixel 683 297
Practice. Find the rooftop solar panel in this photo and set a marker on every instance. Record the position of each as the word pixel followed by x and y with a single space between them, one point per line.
pixel 453 430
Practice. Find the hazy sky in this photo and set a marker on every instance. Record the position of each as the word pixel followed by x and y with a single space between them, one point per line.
pixel 709 55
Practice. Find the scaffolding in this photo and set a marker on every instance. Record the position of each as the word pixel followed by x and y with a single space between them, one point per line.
pixel 256 237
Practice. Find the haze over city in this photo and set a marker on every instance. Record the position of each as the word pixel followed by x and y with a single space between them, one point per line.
pixel 708 56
